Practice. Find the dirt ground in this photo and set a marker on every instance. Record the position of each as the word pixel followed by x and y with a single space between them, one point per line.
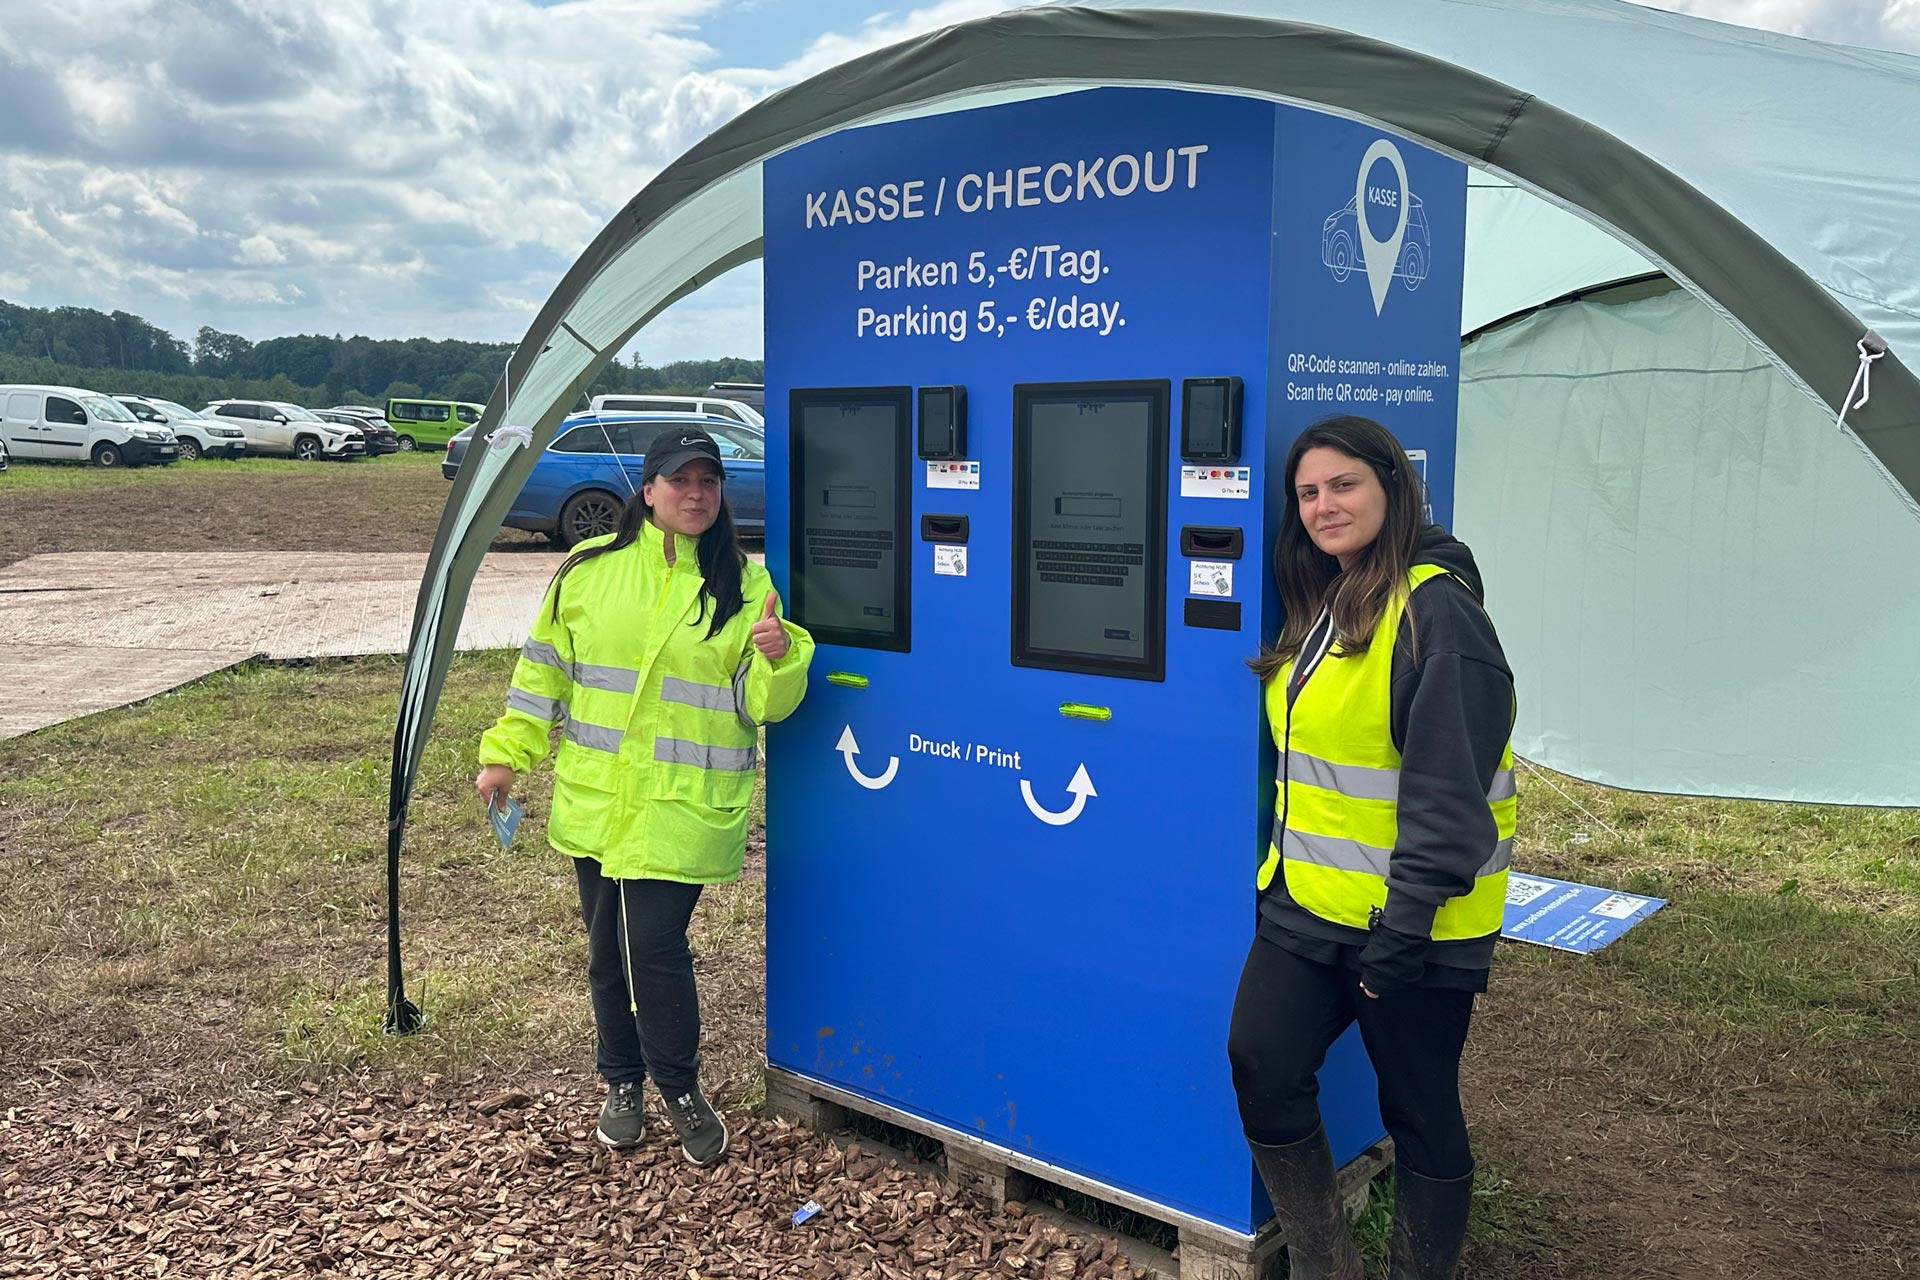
pixel 1629 1156
pixel 375 504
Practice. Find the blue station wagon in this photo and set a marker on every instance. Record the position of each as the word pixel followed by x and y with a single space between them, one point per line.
pixel 585 476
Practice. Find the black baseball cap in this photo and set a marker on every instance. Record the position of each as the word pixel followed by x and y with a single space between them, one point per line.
pixel 674 448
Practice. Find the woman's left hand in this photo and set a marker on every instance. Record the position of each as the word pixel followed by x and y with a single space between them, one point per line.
pixel 1391 961
pixel 769 637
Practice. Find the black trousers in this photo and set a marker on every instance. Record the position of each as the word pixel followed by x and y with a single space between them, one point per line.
pixel 1289 1010
pixel 646 1008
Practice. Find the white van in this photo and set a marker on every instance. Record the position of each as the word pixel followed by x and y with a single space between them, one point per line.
pixel 75 425
pixel 709 406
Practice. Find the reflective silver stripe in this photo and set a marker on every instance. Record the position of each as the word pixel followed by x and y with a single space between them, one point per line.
pixel 585 674
pixel 1502 788
pixel 1362 782
pixel 612 679
pixel 1502 859
pixel 597 736
pixel 708 697
pixel 1336 852
pixel 725 759
pixel 536 706
pixel 545 654
pixel 1351 855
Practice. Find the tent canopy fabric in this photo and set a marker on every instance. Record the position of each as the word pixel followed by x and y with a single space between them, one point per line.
pixel 1689 565
pixel 1790 213
pixel 1523 251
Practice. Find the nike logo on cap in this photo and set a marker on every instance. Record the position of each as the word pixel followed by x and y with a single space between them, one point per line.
pixel 688 440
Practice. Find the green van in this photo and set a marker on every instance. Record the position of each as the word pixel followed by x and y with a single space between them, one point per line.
pixel 429 422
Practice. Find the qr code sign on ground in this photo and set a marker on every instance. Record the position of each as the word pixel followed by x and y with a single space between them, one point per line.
pixel 1524 889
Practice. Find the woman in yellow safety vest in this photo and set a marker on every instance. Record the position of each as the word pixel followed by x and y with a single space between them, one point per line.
pixel 660 651
pixel 1380 898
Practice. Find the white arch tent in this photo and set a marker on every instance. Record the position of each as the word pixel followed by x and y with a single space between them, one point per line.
pixel 1771 177
pixel 1696 577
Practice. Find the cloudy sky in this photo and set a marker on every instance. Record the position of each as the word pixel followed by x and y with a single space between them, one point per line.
pixel 406 168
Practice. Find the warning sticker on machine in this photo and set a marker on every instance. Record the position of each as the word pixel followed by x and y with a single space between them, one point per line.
pixel 1210 577
pixel 950 562
pixel 1216 482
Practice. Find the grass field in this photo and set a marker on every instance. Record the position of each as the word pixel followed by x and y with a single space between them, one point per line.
pixel 26 476
pixel 216 889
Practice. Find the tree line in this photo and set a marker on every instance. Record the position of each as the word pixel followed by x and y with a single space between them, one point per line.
pixel 121 352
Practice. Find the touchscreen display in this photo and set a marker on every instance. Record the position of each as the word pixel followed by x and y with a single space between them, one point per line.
pixel 849 583
pixel 936 423
pixel 1091 508
pixel 1206 420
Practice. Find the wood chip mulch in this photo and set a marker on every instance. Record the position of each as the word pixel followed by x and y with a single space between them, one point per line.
pixel 450 1183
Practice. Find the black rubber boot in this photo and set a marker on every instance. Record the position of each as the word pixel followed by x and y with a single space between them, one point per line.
pixel 1429 1224
pixel 1306 1203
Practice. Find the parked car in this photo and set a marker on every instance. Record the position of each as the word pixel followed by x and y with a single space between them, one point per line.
pixel 585 476
pixel 77 425
pixel 364 412
pixel 430 422
pixel 195 436
pixel 747 393
pixel 381 438
pixel 288 430
pixel 709 406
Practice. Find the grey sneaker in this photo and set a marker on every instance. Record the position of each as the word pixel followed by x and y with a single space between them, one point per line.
pixel 703 1134
pixel 621 1119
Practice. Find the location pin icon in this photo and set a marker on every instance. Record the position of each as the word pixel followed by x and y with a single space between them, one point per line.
pixel 1380 256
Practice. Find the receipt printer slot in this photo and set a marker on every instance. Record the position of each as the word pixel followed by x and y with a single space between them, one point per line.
pixel 1210 542
pixel 936 528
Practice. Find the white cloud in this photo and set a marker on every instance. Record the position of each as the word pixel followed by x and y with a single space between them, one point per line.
pixel 260 251
pixel 1876 24
pixel 416 167
pixel 317 165
pixel 833 48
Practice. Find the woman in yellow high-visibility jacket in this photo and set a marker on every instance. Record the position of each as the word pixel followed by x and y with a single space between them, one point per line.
pixel 1391 704
pixel 660 651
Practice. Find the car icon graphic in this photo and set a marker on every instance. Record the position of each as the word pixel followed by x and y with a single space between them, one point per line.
pixel 1340 244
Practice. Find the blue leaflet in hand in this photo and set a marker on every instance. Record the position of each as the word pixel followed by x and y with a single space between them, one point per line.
pixel 505 817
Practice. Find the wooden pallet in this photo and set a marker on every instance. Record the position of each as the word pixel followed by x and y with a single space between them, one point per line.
pixel 1206 1252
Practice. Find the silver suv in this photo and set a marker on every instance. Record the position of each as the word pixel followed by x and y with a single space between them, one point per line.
pixel 288 430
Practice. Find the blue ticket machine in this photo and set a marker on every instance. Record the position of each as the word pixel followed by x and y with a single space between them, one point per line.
pixel 1032 373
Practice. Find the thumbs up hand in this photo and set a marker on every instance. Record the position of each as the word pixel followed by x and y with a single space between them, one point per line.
pixel 768 635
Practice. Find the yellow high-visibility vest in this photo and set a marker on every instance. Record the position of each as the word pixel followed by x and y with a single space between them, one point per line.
pixel 1335 819
pixel 659 723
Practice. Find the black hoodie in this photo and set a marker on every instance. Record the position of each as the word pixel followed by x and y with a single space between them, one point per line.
pixel 1451 718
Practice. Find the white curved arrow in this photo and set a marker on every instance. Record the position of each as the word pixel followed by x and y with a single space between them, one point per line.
pixel 1081 787
pixel 848 749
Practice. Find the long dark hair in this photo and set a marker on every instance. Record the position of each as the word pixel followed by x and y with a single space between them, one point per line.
pixel 720 556
pixel 1309 578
